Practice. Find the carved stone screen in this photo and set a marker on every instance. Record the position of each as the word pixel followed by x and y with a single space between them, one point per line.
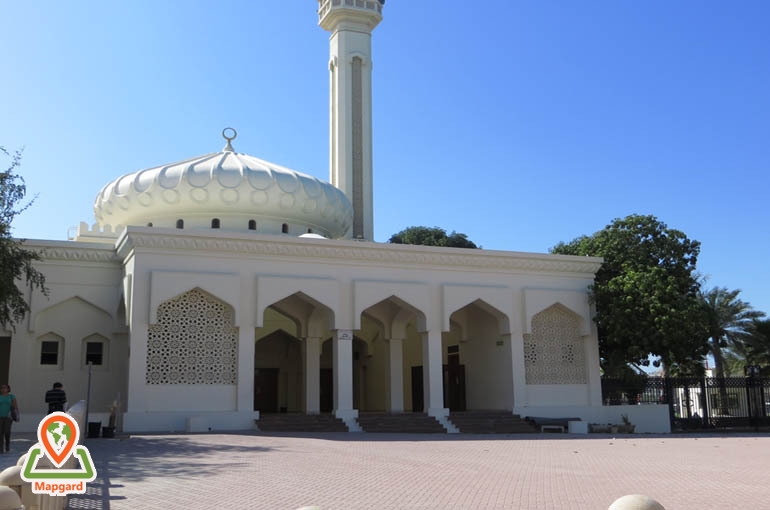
pixel 193 342
pixel 553 352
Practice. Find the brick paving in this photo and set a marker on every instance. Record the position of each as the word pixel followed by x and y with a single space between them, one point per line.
pixel 403 471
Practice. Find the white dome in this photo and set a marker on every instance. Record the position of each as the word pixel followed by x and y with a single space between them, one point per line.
pixel 240 191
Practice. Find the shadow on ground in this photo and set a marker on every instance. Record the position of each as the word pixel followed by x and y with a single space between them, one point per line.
pixel 134 459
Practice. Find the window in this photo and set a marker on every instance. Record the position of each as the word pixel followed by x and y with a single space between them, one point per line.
pixel 49 352
pixel 179 223
pixel 215 223
pixel 310 231
pixel 285 228
pixel 252 224
pixel 94 353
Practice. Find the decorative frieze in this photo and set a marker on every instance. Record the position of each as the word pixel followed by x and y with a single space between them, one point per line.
pixel 351 252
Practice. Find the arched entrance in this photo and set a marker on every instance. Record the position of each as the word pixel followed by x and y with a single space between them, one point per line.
pixel 287 358
pixel 478 363
pixel 278 373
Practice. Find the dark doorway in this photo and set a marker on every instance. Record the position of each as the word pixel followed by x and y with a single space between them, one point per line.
pixel 454 384
pixel 266 390
pixel 326 386
pixel 454 388
pixel 418 402
pixel 5 358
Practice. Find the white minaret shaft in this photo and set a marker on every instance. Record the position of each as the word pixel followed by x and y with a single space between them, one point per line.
pixel 350 107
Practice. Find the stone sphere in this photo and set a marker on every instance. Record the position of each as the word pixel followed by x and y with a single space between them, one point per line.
pixel 11 476
pixel 9 500
pixel 635 502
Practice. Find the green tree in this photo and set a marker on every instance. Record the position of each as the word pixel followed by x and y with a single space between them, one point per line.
pixel 435 236
pixel 730 323
pixel 15 260
pixel 757 347
pixel 646 294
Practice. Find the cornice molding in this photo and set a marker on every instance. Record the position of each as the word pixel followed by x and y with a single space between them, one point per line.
pixel 352 251
pixel 74 251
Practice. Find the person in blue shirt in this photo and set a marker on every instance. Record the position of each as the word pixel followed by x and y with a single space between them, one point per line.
pixel 7 402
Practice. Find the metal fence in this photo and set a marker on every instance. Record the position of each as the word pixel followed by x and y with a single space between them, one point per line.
pixel 697 402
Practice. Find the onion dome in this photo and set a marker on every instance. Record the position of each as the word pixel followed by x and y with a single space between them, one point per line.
pixel 226 190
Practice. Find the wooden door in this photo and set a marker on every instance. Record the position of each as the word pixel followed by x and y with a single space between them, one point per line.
pixel 266 390
pixel 418 402
pixel 326 386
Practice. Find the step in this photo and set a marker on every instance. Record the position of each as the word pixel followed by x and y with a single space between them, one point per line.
pixel 490 422
pixel 405 423
pixel 291 422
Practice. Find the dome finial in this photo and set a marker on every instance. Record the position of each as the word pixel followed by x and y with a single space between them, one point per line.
pixel 233 136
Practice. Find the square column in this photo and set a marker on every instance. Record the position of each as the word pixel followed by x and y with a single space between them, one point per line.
pixel 342 350
pixel 433 374
pixel 245 390
pixel 396 373
pixel 311 354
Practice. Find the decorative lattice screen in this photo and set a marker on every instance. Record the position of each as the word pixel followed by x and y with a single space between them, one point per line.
pixel 553 353
pixel 194 342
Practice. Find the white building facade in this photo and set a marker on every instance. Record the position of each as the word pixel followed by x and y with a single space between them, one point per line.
pixel 218 289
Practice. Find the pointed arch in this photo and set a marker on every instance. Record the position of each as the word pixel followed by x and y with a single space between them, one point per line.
pixel 537 300
pixel 319 292
pixel 411 296
pixel 554 351
pixel 165 285
pixel 194 342
pixel 72 306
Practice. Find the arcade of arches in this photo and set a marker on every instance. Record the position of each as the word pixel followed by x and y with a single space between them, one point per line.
pixel 296 368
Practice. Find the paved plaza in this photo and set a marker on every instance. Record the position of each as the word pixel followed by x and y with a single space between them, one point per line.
pixel 399 471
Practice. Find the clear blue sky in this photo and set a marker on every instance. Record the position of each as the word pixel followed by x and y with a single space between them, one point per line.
pixel 521 124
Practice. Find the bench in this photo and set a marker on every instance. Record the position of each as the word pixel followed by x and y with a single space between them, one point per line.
pixel 560 424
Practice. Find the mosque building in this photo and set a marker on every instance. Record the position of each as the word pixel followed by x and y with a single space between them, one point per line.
pixel 216 292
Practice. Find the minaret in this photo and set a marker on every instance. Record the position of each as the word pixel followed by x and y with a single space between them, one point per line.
pixel 350 90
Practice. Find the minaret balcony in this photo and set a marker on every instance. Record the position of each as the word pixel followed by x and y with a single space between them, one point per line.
pixel 368 8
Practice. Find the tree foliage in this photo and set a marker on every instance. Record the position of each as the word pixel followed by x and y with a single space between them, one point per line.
pixel 757 347
pixel 730 323
pixel 15 260
pixel 646 293
pixel 436 236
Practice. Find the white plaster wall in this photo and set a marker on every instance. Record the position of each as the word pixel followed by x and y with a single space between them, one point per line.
pixel 556 394
pixel 190 397
pixel 83 301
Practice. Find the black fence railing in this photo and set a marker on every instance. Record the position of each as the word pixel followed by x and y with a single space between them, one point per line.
pixel 697 402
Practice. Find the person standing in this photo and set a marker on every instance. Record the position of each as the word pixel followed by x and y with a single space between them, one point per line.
pixel 56 398
pixel 7 402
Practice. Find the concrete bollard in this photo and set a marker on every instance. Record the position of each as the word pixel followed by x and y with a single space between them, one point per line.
pixel 635 502
pixel 9 500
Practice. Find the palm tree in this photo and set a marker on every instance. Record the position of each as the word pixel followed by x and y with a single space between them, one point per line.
pixel 730 323
pixel 758 347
